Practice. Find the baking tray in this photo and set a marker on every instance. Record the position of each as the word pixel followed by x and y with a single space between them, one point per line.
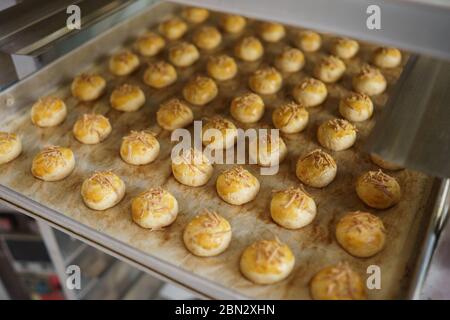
pixel 162 253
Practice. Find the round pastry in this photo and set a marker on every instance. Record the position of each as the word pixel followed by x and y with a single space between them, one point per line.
pixel 102 190
pixel 317 169
pixel 219 133
pixel 378 190
pixel 310 92
pixel 160 74
pixel 192 168
pixel 91 128
pixel 292 208
pixel 232 23
pixel 150 44
pixel 88 87
pixel 53 163
pixel 207 37
pixel 290 118
pixel 330 69
pixel 183 54
pixel 265 81
pixel 127 98
pixel 271 150
pixel 221 67
pixel 174 114
pixel 345 48
pixel 356 107
pixel 123 63
pixel 369 81
pixel 247 108
pixel 10 147
pixel 337 282
pixel 387 57
pixel 290 60
pixel 336 134
pixel 173 28
pixel 154 209
pixel 200 90
pixel 195 15
pixel 383 163
pixel 249 49
pixel 207 235
pixel 308 41
pixel 271 31
pixel 48 112
pixel 237 186
pixel 139 147
pixel 267 261
pixel 361 234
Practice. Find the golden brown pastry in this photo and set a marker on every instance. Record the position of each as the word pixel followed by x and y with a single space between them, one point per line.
pixel 361 234
pixel 174 114
pixel 291 117
pixel 173 28
pixel 207 235
pixel 123 63
pixel 237 186
pixel 88 87
pixel 127 98
pixel 267 261
pixel 207 37
pixel 316 169
pixel 139 148
pixel 233 23
pixel 378 190
pixel 247 108
pixel 336 134
pixel 192 168
pixel 219 133
pixel 387 58
pixel 266 81
pixel 183 54
pixel 154 209
pixel 271 150
pixel 200 90
pixel 290 60
pixel 308 41
pixel 330 69
pixel 160 74
pixel 48 112
pixel 195 15
pixel 53 163
pixel 383 163
pixel 249 49
pixel 345 48
pixel 221 67
pixel 369 81
pixel 10 147
pixel 271 31
pixel 356 107
pixel 102 190
pixel 91 128
pixel 150 44
pixel 310 92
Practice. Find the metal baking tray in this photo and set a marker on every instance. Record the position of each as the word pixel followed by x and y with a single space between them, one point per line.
pixel 162 253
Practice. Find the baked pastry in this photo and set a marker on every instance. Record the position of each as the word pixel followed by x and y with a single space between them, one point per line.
pixel 249 49
pixel 192 168
pixel 232 23
pixel 387 58
pixel 356 107
pixel 271 150
pixel 102 190
pixel 174 114
pixel 292 208
pixel 91 128
pixel 127 98
pixel 53 163
pixel 383 163
pixel 316 169
pixel 10 147
pixel 200 90
pixel 378 190
pixel 154 209
pixel 267 261
pixel 344 48
pixel 48 112
pixel 160 74
pixel 237 186
pixel 207 37
pixel 337 282
pixel 207 235
pixel 247 108
pixel 361 234
pixel 221 67
pixel 219 133
pixel 336 134
pixel 310 92
pixel 195 15
pixel 291 117
pixel 330 69
pixel 88 87
pixel 271 31
pixel 150 44
pixel 123 63
pixel 173 28
pixel 183 54
pixel 265 81
pixel 290 60
pixel 139 148
pixel 308 41
pixel 369 81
